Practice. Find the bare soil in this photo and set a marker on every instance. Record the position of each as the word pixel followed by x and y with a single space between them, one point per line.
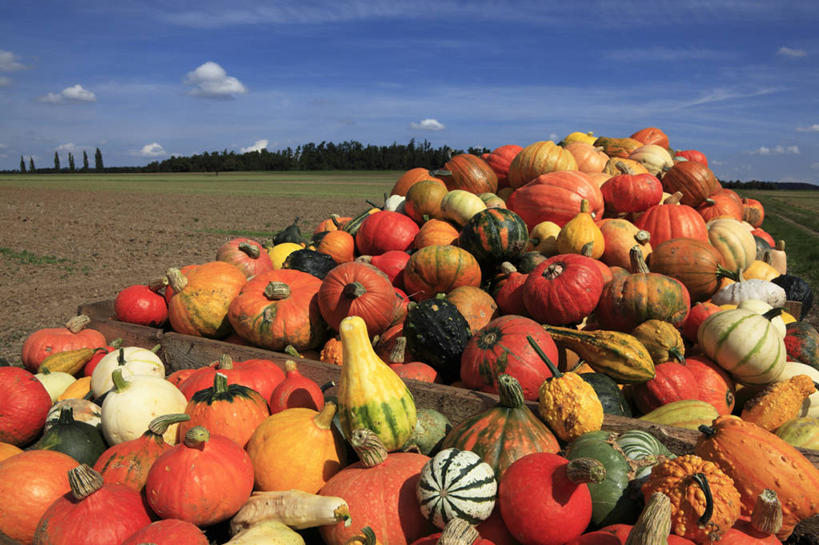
pixel 61 248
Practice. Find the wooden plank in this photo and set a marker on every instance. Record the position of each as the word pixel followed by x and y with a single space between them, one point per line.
pixel 101 315
pixel 794 308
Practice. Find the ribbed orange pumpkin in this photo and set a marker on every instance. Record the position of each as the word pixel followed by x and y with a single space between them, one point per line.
pixel 381 493
pixel 476 305
pixel 226 409
pixel 499 160
pixel 620 236
pixel 694 180
pixel 168 532
pixel 672 220
pixel 753 212
pixel 339 244
pixel 440 269
pixel 29 483
pixel 697 264
pixel 247 254
pixel 201 298
pixel 588 158
pixel 714 384
pixel 423 201
pixel 359 289
pixel 537 159
pixel 651 135
pixel 469 173
pixel 720 204
pixel 297 449
pixel 555 197
pixel 278 308
pixel 435 233
pixel 774 464
pixel 53 340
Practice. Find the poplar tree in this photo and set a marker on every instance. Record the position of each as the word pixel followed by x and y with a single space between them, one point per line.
pixel 70 161
pixel 98 161
pixel 31 168
pixel 22 165
pixel 84 160
pixel 56 161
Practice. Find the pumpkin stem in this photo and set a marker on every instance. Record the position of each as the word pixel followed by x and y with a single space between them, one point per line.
pixel 638 262
pixel 780 245
pixel 399 350
pixel 77 323
pixel 642 236
pixel 334 219
pixel 121 357
pixel 458 532
pixel 654 524
pixel 677 354
pixel 353 290
pixel 158 283
pixel 251 250
pixel 66 415
pixel 155 348
pixel 552 367
pixel 722 272
pixel 767 514
pixel 290 350
pixel 709 431
pixel 510 392
pixel 225 362
pixel 276 291
pixel 176 280
pixel 702 481
pixel 324 419
pixel 220 383
pixel 587 249
pixel 120 383
pixel 290 365
pixel 553 271
pixel 196 437
pixel 507 268
pixel 584 206
pixel 159 425
pixel 674 199
pixel 371 203
pixel 365 537
pixel 368 446
pixel 622 167
pixel 586 470
pixel 327 385
pixel 84 481
pixel 773 313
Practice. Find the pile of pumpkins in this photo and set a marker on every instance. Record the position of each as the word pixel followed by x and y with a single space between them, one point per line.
pixel 595 276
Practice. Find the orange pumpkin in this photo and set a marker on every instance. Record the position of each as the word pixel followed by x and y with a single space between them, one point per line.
pixel 469 173
pixel 537 159
pixel 410 178
pixel 440 269
pixel 435 232
pixel 651 135
pixel 476 305
pixel 588 158
pixel 340 245
pixel 555 197
pixel 360 289
pixel 424 199
pixel 53 340
pixel 694 180
pixel 297 449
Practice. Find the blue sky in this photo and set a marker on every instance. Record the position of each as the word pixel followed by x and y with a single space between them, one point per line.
pixel 736 79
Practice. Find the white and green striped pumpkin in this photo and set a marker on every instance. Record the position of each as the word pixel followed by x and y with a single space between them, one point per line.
pixel 457 483
pixel 745 344
pixel 801 432
pixel 643 448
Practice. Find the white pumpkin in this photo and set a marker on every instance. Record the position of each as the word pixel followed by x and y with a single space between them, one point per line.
pixel 133 359
pixel 55 382
pixel 456 484
pixel 132 403
pixel 734 294
pixel 459 206
pixel 761 307
pixel 395 203
pixel 654 158
pixel 810 407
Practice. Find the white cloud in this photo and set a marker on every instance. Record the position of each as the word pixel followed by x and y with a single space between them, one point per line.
pixel 153 149
pixel 258 145
pixel 812 128
pixel 9 62
pixel 69 148
pixel 789 52
pixel 74 94
pixel 210 80
pixel 4 81
pixel 777 150
pixel 428 125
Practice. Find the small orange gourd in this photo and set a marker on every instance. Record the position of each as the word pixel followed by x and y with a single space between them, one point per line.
pixel 778 402
pixel 704 501
pixel 580 231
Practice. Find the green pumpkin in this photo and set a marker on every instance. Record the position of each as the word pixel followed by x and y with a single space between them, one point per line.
pixel 80 440
pixel 609 394
pixel 612 499
pixel 437 334
pixel 494 235
pixel 291 233
pixel 310 261
pixel 430 429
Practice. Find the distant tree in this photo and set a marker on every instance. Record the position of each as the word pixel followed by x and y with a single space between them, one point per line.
pixel 71 161
pixel 84 161
pixel 98 166
pixel 56 161
pixel 31 168
pixel 22 165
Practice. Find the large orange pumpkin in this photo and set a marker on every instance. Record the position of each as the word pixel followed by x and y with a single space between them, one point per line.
pixel 440 269
pixel 651 135
pixel 470 173
pixel 409 178
pixel 537 159
pixel 201 298
pixel 672 220
pixel 500 159
pixel 694 180
pixel 29 483
pixel 53 340
pixel 358 289
pixel 555 197
pixel 435 232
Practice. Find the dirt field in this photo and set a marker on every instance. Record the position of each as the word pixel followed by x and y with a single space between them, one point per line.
pixel 72 247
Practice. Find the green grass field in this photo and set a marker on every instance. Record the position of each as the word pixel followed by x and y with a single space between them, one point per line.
pixel 353 185
pixel 782 209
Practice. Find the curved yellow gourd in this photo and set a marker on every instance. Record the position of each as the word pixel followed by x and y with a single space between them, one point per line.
pixel 370 394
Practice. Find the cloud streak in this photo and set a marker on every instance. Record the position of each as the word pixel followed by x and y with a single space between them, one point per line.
pixel 788 52
pixel 258 145
pixel 776 150
pixel 76 94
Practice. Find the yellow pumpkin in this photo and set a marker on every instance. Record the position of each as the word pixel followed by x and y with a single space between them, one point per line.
pixel 279 253
pixel 761 270
pixel 459 206
pixel 543 238
pixel 539 158
pixel 577 136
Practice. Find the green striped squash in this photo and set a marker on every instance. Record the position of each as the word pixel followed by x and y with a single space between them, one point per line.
pixel 687 413
pixel 494 235
pixel 643 448
pixel 801 432
pixel 370 394
pixel 745 344
pixel 457 483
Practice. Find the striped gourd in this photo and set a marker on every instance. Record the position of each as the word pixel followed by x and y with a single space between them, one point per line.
pixel 745 344
pixel 494 235
pixel 457 484
pixel 801 432
pixel 687 413
pixel 370 394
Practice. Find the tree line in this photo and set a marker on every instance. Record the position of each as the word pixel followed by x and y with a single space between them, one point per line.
pixel 32 169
